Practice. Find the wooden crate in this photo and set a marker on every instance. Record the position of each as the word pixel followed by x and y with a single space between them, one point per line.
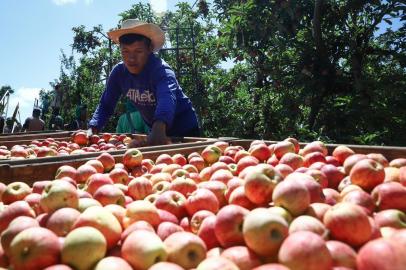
pixel 31 170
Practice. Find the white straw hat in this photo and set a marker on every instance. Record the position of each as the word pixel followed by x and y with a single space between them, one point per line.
pixel 149 30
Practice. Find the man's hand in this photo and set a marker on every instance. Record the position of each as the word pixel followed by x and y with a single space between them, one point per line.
pixel 136 143
pixel 91 131
pixel 158 134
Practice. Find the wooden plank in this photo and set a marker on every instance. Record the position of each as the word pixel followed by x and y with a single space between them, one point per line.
pixel 33 136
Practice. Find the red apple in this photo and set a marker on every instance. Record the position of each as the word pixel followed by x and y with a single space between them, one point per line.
pixel 59 194
pixel 361 198
pixel 281 148
pixel 342 152
pixel 348 223
pixel 334 175
pixel 319 176
pixel 292 195
pixel 66 170
pixel 391 218
pixel 351 161
pixel 391 255
pixel 331 196
pixel 314 188
pixel 97 180
pixel 141 210
pixel 119 176
pixel 80 138
pixel 33 200
pixel 39 186
pixel 164 159
pixel 132 158
pixel 238 197
pixel 317 210
pixel 367 174
pixel 264 231
pixel 165 229
pixel 198 162
pixel 96 164
pixel 206 232
pixel 185 249
pixel 228 227
pixel 34 248
pixel 342 254
pixel 310 224
pixel 305 250
pixel 244 258
pixel 274 266
pixel 107 160
pixel 15 191
pixel 142 249
pixel 213 263
pixel 184 186
pixel 201 199
pixel 198 218
pixel 211 154
pixel 16 226
pixel 398 163
pixel 83 248
pixel 392 174
pixel 293 160
pixel 379 158
pixel 218 188
pixel 173 202
pixel 260 151
pixel 61 221
pixel 390 195
pixel 260 183
pixel 103 220
pixel 139 188
pixel 165 266
pixel 109 194
pixel 312 158
pixel 179 159
pixel 84 172
pixel 112 263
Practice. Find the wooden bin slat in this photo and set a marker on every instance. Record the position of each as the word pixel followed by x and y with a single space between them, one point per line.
pixel 33 136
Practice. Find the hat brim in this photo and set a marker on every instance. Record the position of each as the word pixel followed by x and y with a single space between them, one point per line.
pixel 149 30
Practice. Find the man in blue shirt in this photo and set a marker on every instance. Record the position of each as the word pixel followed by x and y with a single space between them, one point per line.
pixel 149 83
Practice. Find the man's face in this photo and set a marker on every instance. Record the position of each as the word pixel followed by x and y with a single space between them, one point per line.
pixel 135 55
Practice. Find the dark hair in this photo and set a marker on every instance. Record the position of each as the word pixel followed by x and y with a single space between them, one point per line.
pixel 131 38
pixel 36 112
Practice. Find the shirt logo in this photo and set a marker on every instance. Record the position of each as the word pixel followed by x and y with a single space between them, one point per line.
pixel 146 97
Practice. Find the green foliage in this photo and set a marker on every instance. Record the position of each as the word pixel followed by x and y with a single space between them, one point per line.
pixel 316 70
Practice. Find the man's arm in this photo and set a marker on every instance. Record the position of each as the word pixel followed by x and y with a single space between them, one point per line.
pixel 166 86
pixel 107 102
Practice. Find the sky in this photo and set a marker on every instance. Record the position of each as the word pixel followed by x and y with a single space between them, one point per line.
pixel 33 33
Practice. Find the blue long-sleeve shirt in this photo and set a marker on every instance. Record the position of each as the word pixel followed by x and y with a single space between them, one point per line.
pixel 156 94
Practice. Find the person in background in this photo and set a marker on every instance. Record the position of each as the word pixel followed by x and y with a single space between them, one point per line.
pixel 34 123
pixel 80 121
pixel 131 121
pixel 56 121
pixel 150 84
pixel 2 123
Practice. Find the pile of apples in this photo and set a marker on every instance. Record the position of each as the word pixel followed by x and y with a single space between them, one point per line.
pixel 269 207
pixel 79 144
